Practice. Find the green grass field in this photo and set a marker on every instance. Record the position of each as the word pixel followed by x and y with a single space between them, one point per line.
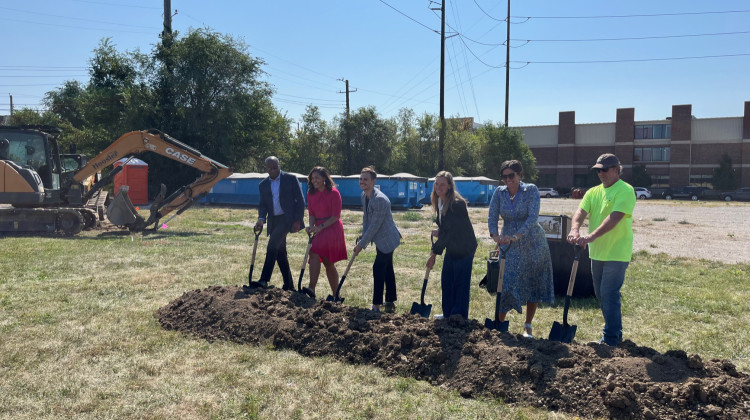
pixel 79 337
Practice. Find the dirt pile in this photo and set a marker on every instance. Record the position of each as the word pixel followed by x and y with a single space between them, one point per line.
pixel 585 380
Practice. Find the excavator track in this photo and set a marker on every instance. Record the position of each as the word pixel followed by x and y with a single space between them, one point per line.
pixel 98 204
pixel 68 221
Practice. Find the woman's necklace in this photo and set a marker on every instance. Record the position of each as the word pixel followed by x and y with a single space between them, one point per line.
pixel 512 196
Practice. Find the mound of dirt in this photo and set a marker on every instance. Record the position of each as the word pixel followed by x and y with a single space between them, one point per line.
pixel 586 380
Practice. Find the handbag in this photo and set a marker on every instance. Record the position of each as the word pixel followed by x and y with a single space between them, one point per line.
pixel 489 281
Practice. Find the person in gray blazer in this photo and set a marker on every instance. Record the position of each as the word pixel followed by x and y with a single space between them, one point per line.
pixel 283 207
pixel 378 226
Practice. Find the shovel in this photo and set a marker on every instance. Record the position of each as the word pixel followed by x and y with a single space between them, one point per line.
pixel 336 298
pixel 310 236
pixel 496 324
pixel 421 308
pixel 565 332
pixel 250 283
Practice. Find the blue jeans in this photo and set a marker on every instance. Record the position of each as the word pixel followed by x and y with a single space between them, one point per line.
pixel 608 279
pixel 455 281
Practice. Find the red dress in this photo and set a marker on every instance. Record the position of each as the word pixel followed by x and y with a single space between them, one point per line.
pixel 329 243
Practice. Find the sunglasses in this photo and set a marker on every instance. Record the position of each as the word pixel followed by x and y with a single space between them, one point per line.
pixel 602 170
pixel 508 176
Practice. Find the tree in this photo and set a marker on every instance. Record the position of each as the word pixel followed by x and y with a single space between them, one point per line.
pixel 501 143
pixel 309 147
pixel 724 178
pixel 364 139
pixel 462 148
pixel 639 177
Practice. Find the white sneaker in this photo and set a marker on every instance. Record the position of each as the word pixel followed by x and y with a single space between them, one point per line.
pixel 438 316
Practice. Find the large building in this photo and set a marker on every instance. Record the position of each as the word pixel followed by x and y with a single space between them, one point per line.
pixel 679 150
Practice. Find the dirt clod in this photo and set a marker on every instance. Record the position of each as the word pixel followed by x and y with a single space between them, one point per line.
pixel 625 382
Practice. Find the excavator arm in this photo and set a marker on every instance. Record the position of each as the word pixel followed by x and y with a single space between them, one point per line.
pixel 121 211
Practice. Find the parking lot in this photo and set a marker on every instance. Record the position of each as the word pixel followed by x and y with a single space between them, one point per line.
pixel 705 229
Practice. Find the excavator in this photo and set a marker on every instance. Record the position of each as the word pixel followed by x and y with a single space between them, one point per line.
pixel 43 190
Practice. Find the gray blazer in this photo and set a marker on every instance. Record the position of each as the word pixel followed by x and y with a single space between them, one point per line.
pixel 378 225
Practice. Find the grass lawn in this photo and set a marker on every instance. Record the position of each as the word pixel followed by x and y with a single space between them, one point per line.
pixel 79 337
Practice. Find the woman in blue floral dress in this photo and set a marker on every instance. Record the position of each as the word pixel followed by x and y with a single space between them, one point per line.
pixel 528 265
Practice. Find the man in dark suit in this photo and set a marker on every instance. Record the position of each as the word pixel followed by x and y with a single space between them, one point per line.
pixel 283 207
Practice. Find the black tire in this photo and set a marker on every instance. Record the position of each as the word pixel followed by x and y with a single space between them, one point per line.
pixel 89 219
pixel 642 197
pixel 548 196
pixel 70 222
pixel 668 197
pixel 694 197
pixel 727 198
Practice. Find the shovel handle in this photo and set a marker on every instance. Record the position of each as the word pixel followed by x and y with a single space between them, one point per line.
pixel 501 274
pixel 574 270
pixel 304 260
pixel 343 278
pixel 424 284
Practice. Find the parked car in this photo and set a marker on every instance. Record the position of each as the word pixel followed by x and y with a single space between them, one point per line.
pixel 691 193
pixel 743 194
pixel 642 193
pixel 548 192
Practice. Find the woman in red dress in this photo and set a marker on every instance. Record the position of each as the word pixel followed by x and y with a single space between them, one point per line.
pixel 329 245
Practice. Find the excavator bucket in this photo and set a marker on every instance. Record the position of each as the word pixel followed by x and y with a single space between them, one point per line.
pixel 121 211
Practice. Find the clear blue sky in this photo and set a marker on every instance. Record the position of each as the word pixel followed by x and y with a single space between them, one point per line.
pixel 389 51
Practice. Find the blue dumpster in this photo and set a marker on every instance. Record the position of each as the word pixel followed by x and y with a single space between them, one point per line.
pixel 476 190
pixel 348 187
pixel 402 189
pixel 429 185
pixel 238 188
pixel 302 183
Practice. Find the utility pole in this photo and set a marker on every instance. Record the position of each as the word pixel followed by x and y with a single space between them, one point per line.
pixel 167 17
pixel 347 94
pixel 507 67
pixel 348 149
pixel 441 138
pixel 11 104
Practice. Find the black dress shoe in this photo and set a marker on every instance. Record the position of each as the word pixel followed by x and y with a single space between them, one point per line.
pixel 289 287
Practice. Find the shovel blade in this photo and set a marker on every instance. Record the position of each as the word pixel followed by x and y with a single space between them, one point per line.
pixel 331 298
pixel 562 333
pixel 420 309
pixel 501 326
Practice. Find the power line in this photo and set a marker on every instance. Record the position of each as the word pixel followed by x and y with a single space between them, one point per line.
pixel 410 18
pixel 634 15
pixel 634 60
pixel 117 4
pixel 634 38
pixel 76 18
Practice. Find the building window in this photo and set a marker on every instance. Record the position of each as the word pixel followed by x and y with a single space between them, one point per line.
pixel 659 181
pixel 651 154
pixel 653 131
pixel 547 180
pixel 702 180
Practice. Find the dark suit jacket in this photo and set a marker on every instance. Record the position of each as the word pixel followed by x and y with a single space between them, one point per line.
pixel 290 197
pixel 456 234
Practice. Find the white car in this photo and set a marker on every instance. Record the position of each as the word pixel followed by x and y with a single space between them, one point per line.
pixel 548 192
pixel 642 193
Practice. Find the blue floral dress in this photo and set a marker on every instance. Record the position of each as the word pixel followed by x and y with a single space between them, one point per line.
pixel 528 265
